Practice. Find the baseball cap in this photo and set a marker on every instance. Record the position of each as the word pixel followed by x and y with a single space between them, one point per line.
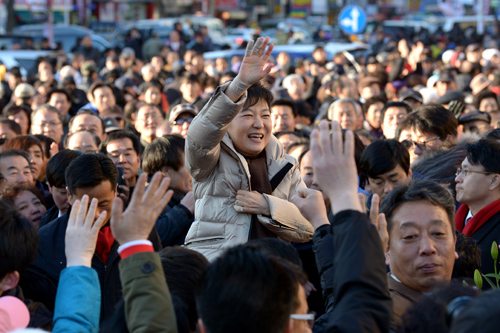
pixel 110 125
pixel 474 116
pixel 24 90
pixel 411 94
pixel 13 314
pixel 182 108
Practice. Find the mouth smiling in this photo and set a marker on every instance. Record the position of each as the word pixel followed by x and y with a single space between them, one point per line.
pixel 256 137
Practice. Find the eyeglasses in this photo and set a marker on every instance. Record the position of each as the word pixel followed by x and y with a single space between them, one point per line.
pixel 465 172
pixel 422 145
pixel 309 317
pixel 182 121
pixel 49 124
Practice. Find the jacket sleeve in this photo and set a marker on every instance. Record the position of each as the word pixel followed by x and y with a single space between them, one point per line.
pixel 173 226
pixel 78 301
pixel 360 298
pixel 148 304
pixel 206 132
pixel 288 222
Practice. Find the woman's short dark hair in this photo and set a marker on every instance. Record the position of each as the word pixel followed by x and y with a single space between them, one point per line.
pixel 256 93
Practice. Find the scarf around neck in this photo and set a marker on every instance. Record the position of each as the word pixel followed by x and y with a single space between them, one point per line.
pixel 477 220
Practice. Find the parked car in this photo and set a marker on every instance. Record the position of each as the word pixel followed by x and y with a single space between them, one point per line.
pixel 295 51
pixel 67 35
pixel 26 60
pixel 8 42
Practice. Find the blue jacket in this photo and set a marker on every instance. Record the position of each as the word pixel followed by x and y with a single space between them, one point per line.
pixel 78 301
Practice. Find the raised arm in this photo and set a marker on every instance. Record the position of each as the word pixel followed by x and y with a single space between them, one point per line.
pixel 352 259
pixel 209 127
pixel 148 304
pixel 78 300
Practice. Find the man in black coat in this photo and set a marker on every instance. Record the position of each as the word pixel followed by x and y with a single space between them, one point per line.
pixel 478 190
pixel 349 251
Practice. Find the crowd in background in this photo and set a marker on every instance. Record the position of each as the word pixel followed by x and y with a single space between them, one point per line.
pixel 150 189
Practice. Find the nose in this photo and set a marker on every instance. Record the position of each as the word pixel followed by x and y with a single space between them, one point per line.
pixel 258 123
pixel 388 186
pixel 427 246
pixel 23 179
pixel 121 158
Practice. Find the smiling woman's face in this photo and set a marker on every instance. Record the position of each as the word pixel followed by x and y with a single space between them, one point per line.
pixel 251 129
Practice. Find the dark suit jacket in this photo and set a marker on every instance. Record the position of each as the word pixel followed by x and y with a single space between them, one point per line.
pixel 484 236
pixel 402 299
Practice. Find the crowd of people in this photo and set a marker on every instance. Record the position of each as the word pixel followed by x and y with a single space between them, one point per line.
pixel 162 192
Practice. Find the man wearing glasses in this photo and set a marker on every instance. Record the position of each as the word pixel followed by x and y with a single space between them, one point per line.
pixel 478 190
pixel 428 128
pixel 48 121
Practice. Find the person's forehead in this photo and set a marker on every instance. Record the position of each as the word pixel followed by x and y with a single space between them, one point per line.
pixel 46 114
pixel 14 161
pixel 345 107
pixel 377 105
pixel 396 171
pixel 102 90
pixel 122 143
pixel 81 137
pixel 147 110
pixel 306 160
pixel 420 213
pixel 86 119
pixel 416 133
pixel 35 149
pixel 58 96
pixel 395 110
pixel 25 196
pixel 281 108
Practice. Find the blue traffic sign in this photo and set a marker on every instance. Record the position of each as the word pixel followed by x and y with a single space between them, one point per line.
pixel 352 20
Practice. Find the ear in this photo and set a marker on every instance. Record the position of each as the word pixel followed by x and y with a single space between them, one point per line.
pixel 450 139
pixel 9 281
pixel 388 257
pixel 495 182
pixel 71 197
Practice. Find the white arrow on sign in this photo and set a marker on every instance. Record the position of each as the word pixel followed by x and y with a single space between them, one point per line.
pixel 352 21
